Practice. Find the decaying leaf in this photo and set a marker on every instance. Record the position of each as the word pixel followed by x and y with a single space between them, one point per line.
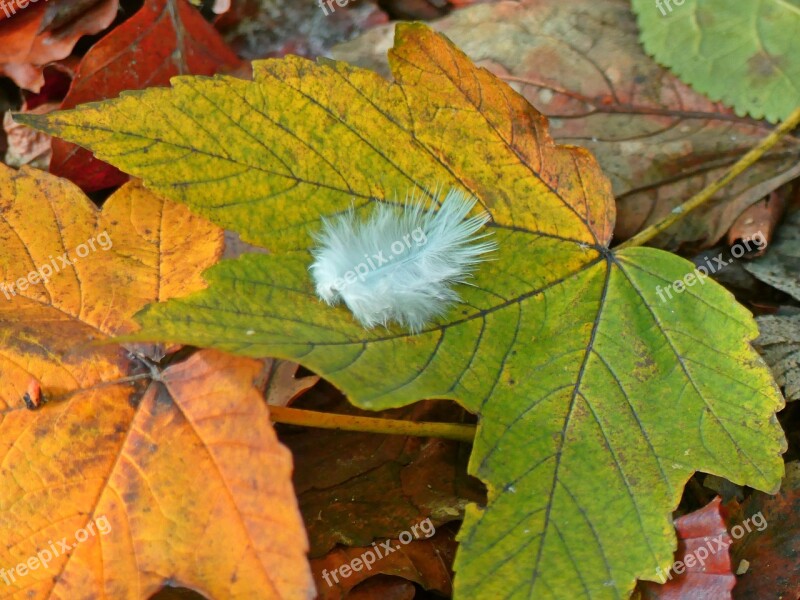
pixel 280 383
pixel 760 219
pixel 780 266
pixel 173 468
pixel 27 146
pixel 354 487
pixel 43 32
pixel 423 560
pixel 597 400
pixel 770 548
pixel 779 344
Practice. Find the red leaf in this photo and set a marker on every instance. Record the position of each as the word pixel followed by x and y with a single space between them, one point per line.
pixel 38 34
pixel 702 538
pixel 165 38
pixel 770 544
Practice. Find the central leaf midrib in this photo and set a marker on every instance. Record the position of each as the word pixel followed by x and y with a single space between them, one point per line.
pixel 567 419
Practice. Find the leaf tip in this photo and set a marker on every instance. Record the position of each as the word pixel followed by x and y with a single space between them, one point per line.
pixel 40 122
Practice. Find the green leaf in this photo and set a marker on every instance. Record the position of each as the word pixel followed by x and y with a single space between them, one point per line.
pixel 597 400
pixel 742 53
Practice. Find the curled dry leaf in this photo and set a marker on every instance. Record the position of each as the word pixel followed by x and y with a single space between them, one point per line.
pixel 27 146
pixel 780 266
pixel 38 35
pixel 281 384
pixel 760 218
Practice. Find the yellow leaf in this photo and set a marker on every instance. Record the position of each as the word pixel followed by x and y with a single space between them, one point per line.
pixel 149 474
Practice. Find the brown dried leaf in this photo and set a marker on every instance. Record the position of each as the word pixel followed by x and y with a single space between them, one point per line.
pixel 771 553
pixel 779 345
pixel 28 146
pixel 427 562
pixel 281 385
pixel 356 487
pixel 780 266
pixel 760 218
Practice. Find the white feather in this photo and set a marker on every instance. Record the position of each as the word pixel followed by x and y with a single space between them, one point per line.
pixel 401 263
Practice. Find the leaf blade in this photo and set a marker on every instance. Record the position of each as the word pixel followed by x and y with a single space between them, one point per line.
pixel 525 350
pixel 738 53
pixel 111 444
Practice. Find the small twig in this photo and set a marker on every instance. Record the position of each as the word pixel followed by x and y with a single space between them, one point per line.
pixel 705 195
pixel 321 420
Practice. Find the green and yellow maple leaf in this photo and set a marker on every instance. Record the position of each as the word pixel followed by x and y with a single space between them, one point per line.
pixel 597 401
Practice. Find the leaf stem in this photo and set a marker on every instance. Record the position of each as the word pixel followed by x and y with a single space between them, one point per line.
pixel 321 420
pixel 679 212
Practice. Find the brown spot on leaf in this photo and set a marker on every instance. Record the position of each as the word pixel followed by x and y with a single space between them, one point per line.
pixel 764 66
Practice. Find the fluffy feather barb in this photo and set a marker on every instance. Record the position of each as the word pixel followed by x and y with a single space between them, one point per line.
pixel 400 264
